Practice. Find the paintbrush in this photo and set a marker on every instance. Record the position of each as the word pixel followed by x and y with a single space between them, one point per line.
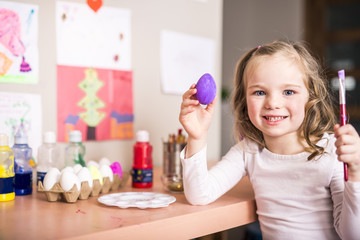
pixel 342 102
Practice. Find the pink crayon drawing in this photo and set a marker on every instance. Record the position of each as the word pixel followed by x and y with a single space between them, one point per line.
pixel 10 36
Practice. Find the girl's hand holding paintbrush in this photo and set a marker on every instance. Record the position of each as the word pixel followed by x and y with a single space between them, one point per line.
pixel 348 141
pixel 348 149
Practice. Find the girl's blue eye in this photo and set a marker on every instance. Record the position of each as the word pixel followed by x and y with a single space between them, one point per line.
pixel 288 92
pixel 259 93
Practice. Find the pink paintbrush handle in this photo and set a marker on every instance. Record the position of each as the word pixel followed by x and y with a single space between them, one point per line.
pixel 343 122
pixel 343 114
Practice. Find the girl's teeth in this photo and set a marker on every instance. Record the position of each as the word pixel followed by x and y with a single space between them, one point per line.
pixel 273 119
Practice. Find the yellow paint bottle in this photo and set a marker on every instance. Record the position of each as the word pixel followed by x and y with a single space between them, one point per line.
pixel 7 174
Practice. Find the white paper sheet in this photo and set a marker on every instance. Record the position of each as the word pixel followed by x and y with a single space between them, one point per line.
pixel 99 39
pixel 184 59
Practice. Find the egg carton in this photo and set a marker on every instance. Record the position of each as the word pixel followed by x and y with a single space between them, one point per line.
pixel 57 193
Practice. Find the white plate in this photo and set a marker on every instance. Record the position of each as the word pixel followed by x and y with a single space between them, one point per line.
pixel 137 199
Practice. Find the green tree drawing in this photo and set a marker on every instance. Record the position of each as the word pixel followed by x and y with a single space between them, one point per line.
pixel 90 85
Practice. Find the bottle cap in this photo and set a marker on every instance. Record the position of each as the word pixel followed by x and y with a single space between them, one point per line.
pixel 49 137
pixel 75 136
pixel 21 138
pixel 3 139
pixel 142 136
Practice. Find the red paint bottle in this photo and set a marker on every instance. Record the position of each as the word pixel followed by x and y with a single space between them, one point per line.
pixel 142 171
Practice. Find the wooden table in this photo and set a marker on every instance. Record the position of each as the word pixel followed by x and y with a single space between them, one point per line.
pixel 33 217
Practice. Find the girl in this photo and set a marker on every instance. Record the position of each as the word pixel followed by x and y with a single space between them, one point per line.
pixel 288 145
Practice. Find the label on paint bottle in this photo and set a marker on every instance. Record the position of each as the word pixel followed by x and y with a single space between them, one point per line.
pixel 40 177
pixel 142 175
pixel 7 185
pixel 23 183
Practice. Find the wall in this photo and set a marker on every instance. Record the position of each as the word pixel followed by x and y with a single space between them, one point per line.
pixel 247 24
pixel 153 110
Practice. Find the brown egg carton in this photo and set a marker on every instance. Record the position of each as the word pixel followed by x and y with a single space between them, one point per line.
pixel 57 193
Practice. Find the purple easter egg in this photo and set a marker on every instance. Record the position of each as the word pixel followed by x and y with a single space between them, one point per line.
pixel 206 89
pixel 116 168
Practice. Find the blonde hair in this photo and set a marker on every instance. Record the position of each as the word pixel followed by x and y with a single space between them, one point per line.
pixel 319 110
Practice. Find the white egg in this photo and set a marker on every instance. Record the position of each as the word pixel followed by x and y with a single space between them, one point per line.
pixel 85 175
pixel 68 179
pixel 92 163
pixel 68 168
pixel 104 161
pixel 51 177
pixel 106 171
pixel 77 168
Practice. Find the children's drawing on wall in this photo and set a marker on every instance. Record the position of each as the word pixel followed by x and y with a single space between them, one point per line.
pixel 17 108
pixel 91 102
pixel 18 43
pixel 98 102
pixel 94 75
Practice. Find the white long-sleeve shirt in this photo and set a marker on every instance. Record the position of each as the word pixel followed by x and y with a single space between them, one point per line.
pixel 295 198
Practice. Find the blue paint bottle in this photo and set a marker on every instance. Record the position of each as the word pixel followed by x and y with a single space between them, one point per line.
pixel 22 156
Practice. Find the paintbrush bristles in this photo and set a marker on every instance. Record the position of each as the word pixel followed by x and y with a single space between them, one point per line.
pixel 342 89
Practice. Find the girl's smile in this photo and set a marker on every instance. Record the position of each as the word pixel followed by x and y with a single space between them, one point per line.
pixel 270 119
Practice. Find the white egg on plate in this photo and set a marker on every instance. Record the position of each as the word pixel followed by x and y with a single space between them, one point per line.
pixel 68 179
pixel 77 168
pixel 106 171
pixel 104 161
pixel 85 175
pixel 93 163
pixel 51 177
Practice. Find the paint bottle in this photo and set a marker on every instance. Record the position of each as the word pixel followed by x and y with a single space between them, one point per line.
pixel 22 156
pixel 7 174
pixel 75 150
pixel 142 171
pixel 48 156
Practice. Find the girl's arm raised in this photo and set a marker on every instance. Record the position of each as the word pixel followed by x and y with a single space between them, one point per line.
pixel 196 121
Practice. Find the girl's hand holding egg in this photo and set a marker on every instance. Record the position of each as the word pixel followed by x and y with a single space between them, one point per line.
pixel 194 118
